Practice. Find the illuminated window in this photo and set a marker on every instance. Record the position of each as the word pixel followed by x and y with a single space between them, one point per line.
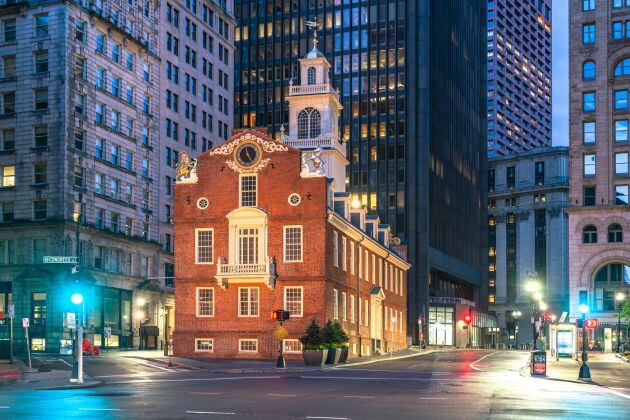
pixel 309 123
pixel 248 191
pixel 311 75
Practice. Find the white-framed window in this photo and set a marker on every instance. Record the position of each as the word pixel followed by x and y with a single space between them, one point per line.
pixel 360 315
pixel 344 262
pixel 400 322
pixel 396 282
pixel 367 313
pixel 335 304
pixel 248 240
pixel 344 306
pixel 292 346
pixel 380 272
pixel 360 263
pixel 248 345
pixel 352 308
pixel 204 345
pixel 204 242
pixel 293 298
pixel 386 275
pixel 335 248
pixel 248 191
pixel 205 301
pixel 589 165
pixel 248 301
pixel 351 257
pixel 293 244
pixel 373 268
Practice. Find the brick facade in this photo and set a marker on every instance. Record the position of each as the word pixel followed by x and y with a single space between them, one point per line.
pixel 316 273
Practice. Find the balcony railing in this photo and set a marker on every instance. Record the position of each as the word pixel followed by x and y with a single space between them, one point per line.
pixel 310 89
pixel 325 142
pixel 264 272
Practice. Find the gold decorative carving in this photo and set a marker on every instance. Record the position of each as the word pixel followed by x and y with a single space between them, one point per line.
pixel 267 146
pixel 241 170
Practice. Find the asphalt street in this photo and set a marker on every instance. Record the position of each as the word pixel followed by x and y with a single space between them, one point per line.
pixel 460 385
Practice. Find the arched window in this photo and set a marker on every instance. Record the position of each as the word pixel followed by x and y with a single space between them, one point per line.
pixel 615 233
pixel 610 280
pixel 309 123
pixel 589 234
pixel 588 70
pixel 623 68
pixel 311 75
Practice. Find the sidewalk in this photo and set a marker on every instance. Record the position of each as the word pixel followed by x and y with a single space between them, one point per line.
pixel 19 376
pixel 294 365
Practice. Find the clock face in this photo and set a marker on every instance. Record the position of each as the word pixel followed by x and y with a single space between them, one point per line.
pixel 247 155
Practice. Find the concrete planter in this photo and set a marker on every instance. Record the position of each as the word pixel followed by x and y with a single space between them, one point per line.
pixel 333 356
pixel 344 354
pixel 315 357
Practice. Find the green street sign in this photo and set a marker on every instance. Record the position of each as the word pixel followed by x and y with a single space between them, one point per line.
pixel 60 260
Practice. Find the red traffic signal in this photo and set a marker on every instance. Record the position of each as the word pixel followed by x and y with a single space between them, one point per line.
pixel 280 315
pixel 467 318
pixel 592 323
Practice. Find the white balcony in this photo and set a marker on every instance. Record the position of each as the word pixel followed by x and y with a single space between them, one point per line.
pixel 311 89
pixel 264 272
pixel 325 142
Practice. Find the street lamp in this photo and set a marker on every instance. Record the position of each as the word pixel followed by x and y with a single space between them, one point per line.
pixel 533 287
pixel 516 315
pixel 77 368
pixel 619 297
pixel 585 372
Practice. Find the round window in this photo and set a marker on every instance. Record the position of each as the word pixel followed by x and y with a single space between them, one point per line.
pixel 202 203
pixel 294 199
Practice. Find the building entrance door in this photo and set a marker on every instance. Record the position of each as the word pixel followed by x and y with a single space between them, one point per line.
pixel 608 339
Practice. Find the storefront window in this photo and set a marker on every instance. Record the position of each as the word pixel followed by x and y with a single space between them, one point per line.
pixel 440 326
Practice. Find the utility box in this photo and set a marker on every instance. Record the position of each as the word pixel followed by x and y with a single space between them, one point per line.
pixel 539 363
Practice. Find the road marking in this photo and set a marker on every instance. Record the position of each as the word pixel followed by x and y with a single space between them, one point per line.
pixel 432 398
pixel 99 409
pixel 282 395
pixel 619 394
pixel 205 393
pixel 158 367
pixel 358 396
pixel 412 366
pixel 211 412
pixel 376 378
pixel 479 360
pixel 141 381
pixel 4 407
pixel 331 418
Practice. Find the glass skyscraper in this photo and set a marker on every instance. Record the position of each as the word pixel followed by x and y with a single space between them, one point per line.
pixel 411 77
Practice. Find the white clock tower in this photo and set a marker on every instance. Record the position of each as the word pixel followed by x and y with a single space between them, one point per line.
pixel 314 120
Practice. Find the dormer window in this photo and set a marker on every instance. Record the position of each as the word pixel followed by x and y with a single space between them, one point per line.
pixel 248 191
pixel 309 123
pixel 311 75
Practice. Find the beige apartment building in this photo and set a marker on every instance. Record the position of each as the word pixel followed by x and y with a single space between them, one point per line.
pixel 82 137
pixel 599 216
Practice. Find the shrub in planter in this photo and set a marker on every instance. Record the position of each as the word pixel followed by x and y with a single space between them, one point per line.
pixel 343 342
pixel 333 340
pixel 313 350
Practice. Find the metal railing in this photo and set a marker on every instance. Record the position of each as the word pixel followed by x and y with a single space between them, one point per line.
pixel 310 89
pixel 325 142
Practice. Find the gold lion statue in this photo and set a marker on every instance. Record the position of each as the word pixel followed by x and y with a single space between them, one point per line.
pixel 185 166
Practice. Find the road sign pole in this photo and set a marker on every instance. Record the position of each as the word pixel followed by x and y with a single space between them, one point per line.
pixel 28 346
pixel 11 338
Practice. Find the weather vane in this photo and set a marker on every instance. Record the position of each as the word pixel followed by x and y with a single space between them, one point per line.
pixel 312 24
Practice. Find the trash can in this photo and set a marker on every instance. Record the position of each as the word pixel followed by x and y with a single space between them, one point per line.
pixel 539 362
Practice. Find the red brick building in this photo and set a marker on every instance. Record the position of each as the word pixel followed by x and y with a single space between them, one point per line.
pixel 259 226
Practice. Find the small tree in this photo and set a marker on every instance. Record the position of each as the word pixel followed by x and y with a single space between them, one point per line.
pixel 342 337
pixel 624 311
pixel 329 335
pixel 312 338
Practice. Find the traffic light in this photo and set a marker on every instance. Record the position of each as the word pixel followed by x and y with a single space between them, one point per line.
pixel 280 315
pixel 467 319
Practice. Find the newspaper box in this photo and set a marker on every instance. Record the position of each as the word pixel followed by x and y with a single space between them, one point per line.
pixel 539 362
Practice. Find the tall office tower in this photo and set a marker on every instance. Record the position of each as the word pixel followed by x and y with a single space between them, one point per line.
pixel 196 88
pixel 519 75
pixel 599 216
pixel 413 121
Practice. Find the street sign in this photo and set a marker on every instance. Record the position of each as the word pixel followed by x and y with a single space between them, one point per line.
pixel 592 323
pixel 60 260
pixel 25 322
pixel 11 310
pixel 72 320
pixel 107 331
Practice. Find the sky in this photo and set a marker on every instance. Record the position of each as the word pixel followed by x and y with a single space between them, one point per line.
pixel 560 73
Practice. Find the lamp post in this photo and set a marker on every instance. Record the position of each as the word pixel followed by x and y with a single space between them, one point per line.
pixel 585 372
pixel 533 287
pixel 516 315
pixel 77 299
pixel 619 297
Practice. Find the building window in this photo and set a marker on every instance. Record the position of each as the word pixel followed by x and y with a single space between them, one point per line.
pixel 621 130
pixel 41 62
pixel 615 233
pixel 40 173
pixel 511 177
pixel 588 33
pixel 204 246
pixel 491 180
pixel 293 243
pixel 8 176
pixel 248 301
pixel 588 70
pixel 248 191
pixel 623 68
pixel 204 345
pixel 617 30
pixel 41 99
pixel 292 346
pixel 9 29
pixel 41 25
pixel 248 246
pixel 621 163
pixel 335 304
pixel 8 139
pixel 621 195
pixel 39 209
pixel 610 280
pixel 335 249
pixel 344 262
pixel 621 99
pixel 588 101
pixel 589 234
pixel 588 5
pixel 311 75
pixel 293 300
pixel 205 301
pixel 7 212
pixel 589 165
pixel 540 173
pixel 589 196
pixel 309 123
pixel 247 345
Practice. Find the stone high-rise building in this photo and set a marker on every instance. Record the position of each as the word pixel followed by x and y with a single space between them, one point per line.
pixel 599 215
pixel 519 75
pixel 82 138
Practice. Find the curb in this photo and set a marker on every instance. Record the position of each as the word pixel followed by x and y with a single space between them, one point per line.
pixel 84 385
pixel 369 362
pixel 622 358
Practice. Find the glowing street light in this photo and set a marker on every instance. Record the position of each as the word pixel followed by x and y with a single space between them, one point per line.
pixel 585 372
pixel 619 297
pixel 532 286
pixel 538 296
pixel 542 306
pixel 77 298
